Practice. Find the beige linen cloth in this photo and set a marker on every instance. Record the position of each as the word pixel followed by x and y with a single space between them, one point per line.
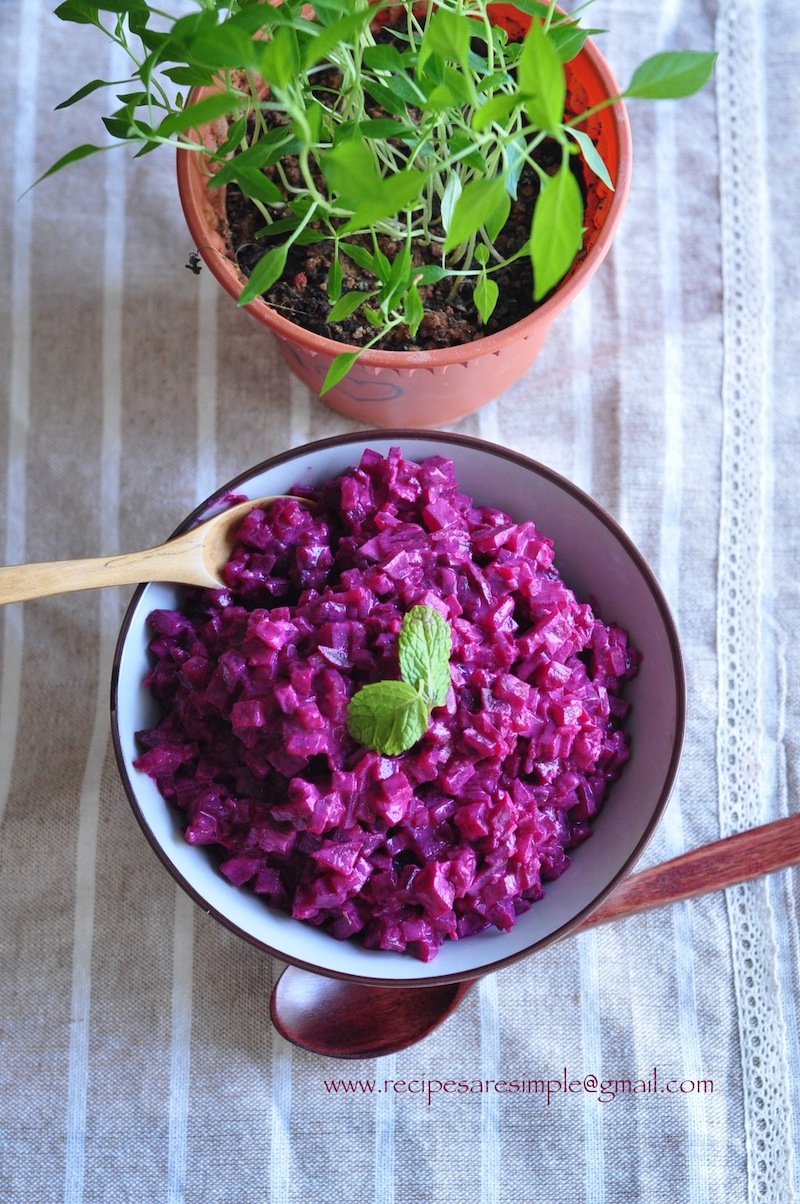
pixel 137 1059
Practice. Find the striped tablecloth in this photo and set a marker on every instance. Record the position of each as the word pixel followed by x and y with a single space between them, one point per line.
pixel 137 1060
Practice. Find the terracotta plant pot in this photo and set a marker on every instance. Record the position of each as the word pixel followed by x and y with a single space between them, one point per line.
pixel 432 388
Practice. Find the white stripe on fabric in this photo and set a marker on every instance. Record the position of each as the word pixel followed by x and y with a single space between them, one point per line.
pixel 89 808
pixel 180 1044
pixel 592 1051
pixel 19 383
pixel 385 1157
pixel 207 343
pixel 489 1012
pixel 489 423
pixel 668 213
pixel 582 400
pixel 300 402
pixel 280 1140
pixel 183 916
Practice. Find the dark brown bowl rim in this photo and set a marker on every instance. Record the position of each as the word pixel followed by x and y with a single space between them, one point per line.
pixel 400 434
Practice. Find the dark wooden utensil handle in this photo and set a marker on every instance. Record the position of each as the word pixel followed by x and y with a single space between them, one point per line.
pixel 726 862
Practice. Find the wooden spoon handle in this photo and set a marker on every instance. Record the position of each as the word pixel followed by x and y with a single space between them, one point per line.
pixel 726 862
pixel 196 557
pixel 21 581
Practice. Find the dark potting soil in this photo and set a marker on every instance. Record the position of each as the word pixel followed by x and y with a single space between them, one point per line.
pixel 451 317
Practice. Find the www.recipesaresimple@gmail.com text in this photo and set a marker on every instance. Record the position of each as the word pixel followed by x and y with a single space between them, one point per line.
pixel 605 1089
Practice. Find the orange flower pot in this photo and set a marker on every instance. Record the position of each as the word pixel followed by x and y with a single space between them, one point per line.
pixel 433 388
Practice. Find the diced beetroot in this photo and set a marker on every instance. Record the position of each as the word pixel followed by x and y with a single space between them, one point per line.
pixel 460 832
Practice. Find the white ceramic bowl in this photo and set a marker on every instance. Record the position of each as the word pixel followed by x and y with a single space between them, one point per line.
pixel 598 561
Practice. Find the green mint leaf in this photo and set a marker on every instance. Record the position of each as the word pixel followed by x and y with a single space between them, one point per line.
pixel 387 716
pixel 423 648
pixel 390 716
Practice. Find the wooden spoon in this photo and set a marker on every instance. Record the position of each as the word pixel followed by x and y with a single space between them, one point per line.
pixel 343 1019
pixel 194 558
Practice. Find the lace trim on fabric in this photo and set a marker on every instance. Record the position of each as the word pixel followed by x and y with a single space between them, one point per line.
pixel 740 749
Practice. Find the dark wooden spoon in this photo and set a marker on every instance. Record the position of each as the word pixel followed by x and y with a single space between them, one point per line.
pixel 342 1019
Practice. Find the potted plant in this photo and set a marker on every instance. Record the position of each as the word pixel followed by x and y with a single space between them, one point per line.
pixel 405 193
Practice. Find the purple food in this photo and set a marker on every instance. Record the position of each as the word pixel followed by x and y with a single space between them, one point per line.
pixel 460 832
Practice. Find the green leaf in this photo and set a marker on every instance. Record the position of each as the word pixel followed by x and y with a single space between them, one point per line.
pixel 398 89
pixel 541 79
pixel 259 187
pixel 347 304
pixel 339 369
pixel 460 144
pixel 497 108
pixel 384 128
pixel 499 216
pixel 535 8
pixel 73 156
pixel 557 230
pixel 350 171
pixel 452 92
pixel 447 35
pixel 225 46
pixel 198 114
pixel 394 194
pixel 592 156
pixel 413 310
pixel 86 90
pixel 189 77
pixel 78 13
pixel 388 716
pixel 672 74
pixel 423 649
pixel 480 203
pixel 485 297
pixel 396 279
pixel 449 198
pixel 268 150
pixel 120 6
pixel 384 58
pixel 123 125
pixel 279 59
pixel 344 29
pixel 430 273
pixel 374 317
pixel 359 255
pixel 383 97
pixel 569 38
pixel 268 269
pixel 334 280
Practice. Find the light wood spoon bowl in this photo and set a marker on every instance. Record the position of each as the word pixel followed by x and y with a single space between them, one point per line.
pixel 195 558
